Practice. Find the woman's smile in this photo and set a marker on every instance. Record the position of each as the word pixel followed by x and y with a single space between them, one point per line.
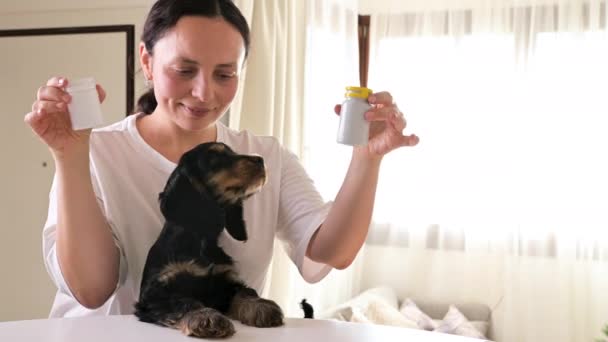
pixel 197 111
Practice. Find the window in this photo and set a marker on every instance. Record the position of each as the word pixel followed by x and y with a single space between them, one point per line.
pixel 507 144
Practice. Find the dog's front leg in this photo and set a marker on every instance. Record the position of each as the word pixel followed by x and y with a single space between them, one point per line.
pixel 252 310
pixel 185 314
pixel 205 323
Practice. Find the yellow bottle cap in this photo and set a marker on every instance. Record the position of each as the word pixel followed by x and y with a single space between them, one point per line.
pixel 359 92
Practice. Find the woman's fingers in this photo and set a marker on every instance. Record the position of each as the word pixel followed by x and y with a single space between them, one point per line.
pixel 337 109
pixel 409 140
pixel 381 98
pixel 50 106
pixel 383 113
pixel 35 120
pixel 101 92
pixel 53 93
pixel 51 99
pixel 55 90
pixel 31 117
pixel 57 81
pixel 398 121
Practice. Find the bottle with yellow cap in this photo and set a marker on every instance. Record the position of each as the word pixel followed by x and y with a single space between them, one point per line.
pixel 354 129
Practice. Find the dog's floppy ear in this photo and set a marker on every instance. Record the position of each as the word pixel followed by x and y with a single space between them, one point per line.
pixel 235 225
pixel 180 198
pixel 166 197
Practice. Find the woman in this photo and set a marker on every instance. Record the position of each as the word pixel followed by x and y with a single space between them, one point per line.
pixel 103 212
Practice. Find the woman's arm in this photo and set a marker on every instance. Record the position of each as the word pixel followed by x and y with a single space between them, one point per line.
pixel 87 255
pixel 86 252
pixel 340 237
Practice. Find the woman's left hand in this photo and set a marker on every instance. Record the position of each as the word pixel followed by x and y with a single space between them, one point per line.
pixel 386 125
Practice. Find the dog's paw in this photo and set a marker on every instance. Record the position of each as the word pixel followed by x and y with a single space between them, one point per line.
pixel 261 313
pixel 206 323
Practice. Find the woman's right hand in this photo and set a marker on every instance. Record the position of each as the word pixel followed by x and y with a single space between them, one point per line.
pixel 50 119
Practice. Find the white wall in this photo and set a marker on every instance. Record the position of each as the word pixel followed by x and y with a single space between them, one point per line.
pixel 23 6
pixel 26 291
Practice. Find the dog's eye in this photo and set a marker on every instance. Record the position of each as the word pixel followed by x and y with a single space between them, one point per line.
pixel 216 161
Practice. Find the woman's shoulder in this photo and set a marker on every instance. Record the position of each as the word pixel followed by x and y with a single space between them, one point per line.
pixel 244 141
pixel 117 135
pixel 117 126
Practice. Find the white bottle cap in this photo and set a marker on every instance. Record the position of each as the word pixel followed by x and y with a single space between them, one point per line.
pixel 85 108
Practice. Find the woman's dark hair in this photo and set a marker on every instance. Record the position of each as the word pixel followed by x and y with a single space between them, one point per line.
pixel 165 14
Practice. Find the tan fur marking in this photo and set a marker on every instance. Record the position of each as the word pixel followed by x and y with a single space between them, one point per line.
pixel 226 179
pixel 171 270
pixel 256 311
pixel 217 147
pixel 229 269
pixel 255 188
pixel 237 178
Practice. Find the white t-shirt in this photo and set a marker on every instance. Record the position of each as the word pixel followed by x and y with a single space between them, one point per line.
pixel 128 175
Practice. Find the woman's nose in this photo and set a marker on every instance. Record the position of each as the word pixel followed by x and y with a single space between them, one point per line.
pixel 202 88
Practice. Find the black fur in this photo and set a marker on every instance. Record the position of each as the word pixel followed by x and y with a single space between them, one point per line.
pixel 189 282
pixel 309 312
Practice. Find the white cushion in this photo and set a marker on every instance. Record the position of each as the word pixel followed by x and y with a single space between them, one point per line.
pixel 344 311
pixel 438 309
pixel 379 305
pixel 481 326
pixel 410 310
pixel 456 323
pixel 378 311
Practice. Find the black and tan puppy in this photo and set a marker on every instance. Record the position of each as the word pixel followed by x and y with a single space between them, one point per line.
pixel 189 283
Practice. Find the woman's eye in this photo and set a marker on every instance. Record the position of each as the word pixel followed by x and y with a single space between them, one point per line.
pixel 184 72
pixel 226 75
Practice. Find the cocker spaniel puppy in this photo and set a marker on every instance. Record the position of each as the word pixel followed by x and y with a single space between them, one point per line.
pixel 189 283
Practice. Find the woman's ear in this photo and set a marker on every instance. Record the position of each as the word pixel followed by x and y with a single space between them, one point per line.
pixel 145 60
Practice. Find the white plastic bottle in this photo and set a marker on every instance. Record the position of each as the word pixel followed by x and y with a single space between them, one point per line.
pixel 354 129
pixel 85 108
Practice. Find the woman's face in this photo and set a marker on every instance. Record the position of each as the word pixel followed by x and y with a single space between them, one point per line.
pixel 195 69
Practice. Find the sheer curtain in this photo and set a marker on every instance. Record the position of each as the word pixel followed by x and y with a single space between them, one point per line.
pixel 332 63
pixel 303 54
pixel 505 199
pixel 271 97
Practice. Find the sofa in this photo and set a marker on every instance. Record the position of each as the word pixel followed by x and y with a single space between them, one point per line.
pixel 381 305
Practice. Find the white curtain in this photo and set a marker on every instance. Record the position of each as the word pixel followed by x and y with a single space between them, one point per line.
pixel 331 64
pixel 270 99
pixel 505 200
pixel 303 54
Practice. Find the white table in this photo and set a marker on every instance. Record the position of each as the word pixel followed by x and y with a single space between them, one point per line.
pixel 128 328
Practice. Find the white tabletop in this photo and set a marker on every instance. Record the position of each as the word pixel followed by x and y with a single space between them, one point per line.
pixel 128 328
